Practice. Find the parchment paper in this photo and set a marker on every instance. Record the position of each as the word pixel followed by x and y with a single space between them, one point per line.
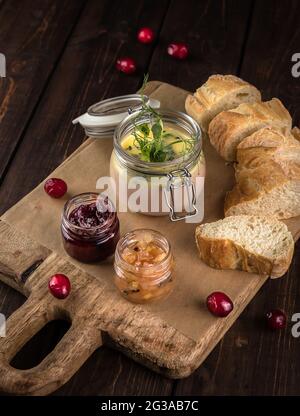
pixel 185 309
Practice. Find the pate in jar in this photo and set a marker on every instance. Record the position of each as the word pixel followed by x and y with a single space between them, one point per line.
pixel 158 165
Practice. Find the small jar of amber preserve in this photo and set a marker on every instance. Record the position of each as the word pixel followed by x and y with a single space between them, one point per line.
pixel 90 227
pixel 144 266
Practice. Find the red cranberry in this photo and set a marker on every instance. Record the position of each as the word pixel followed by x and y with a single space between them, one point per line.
pixel 126 65
pixel 145 35
pixel 59 286
pixel 276 319
pixel 56 188
pixel 219 304
pixel 178 50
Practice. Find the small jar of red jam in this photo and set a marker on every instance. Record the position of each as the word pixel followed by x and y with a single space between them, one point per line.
pixel 90 227
pixel 144 266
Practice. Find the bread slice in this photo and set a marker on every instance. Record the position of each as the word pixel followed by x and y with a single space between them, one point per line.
pixel 219 93
pixel 267 175
pixel 251 243
pixel 229 128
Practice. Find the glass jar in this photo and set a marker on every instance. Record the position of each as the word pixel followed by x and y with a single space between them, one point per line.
pixel 174 187
pixel 90 227
pixel 144 266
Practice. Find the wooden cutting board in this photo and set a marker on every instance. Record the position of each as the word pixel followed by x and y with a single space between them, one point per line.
pixel 172 337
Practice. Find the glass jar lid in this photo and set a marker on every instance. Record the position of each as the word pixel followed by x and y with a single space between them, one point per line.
pixel 101 118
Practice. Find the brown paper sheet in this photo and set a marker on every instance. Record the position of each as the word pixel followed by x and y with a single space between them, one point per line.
pixel 39 216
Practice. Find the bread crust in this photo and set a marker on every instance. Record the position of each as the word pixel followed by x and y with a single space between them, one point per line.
pixel 267 160
pixel 296 133
pixel 268 137
pixel 226 254
pixel 197 110
pixel 219 93
pixel 229 128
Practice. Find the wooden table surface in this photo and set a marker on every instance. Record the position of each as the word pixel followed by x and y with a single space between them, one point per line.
pixel 60 59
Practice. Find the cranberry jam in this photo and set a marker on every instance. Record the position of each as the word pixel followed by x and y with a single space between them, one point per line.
pixel 90 227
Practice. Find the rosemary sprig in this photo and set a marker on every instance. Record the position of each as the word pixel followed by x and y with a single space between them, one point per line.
pixel 151 139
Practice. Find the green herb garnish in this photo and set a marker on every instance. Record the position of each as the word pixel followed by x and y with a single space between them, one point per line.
pixel 159 148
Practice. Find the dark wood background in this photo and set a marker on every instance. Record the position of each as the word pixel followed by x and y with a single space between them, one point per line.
pixel 60 59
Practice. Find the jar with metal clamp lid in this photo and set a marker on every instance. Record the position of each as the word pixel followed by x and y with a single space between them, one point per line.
pixel 173 186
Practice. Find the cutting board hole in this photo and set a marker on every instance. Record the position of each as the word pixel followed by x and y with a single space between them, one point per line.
pixel 40 345
pixel 16 300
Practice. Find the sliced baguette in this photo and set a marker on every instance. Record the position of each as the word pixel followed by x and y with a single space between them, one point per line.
pixel 267 175
pixel 229 128
pixel 219 93
pixel 250 243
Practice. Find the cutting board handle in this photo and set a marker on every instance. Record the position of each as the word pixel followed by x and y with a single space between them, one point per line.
pixel 70 353
pixel 27 266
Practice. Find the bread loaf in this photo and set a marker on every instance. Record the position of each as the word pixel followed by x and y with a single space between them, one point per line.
pixel 250 243
pixel 267 175
pixel 220 92
pixel 229 128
